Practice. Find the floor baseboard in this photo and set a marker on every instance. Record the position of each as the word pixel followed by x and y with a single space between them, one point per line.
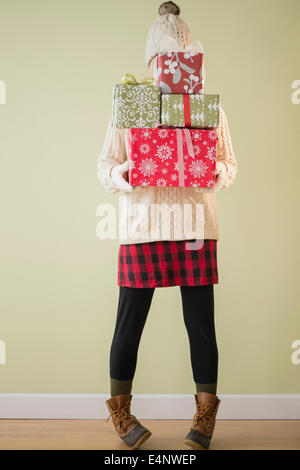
pixel 92 406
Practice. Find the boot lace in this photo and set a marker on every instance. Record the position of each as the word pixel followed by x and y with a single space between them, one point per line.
pixel 123 416
pixel 204 414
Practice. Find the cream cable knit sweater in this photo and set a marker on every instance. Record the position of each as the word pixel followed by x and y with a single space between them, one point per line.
pixel 139 219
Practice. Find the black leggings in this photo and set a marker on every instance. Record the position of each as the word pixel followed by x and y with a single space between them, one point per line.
pixel 198 312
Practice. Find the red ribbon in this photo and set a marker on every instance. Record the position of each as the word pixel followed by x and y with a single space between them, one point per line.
pixel 187 110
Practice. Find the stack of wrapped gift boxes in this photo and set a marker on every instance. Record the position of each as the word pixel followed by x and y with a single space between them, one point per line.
pixel 172 125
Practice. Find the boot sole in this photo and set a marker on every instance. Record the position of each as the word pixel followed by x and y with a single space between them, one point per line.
pixel 141 441
pixel 194 445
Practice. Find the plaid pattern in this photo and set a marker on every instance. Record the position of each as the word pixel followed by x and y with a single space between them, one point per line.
pixel 167 263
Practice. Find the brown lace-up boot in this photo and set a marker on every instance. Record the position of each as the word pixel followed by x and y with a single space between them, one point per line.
pixel 127 426
pixel 203 426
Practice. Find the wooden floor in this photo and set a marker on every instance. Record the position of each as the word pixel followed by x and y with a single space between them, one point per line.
pixel 98 434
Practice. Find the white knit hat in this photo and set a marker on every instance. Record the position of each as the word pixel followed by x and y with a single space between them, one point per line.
pixel 169 23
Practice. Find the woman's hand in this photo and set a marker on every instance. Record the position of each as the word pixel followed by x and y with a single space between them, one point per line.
pixel 220 176
pixel 118 178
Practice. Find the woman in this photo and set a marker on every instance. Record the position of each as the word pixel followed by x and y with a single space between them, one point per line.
pixel 154 261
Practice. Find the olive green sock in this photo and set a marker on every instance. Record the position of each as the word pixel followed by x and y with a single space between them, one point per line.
pixel 120 387
pixel 207 388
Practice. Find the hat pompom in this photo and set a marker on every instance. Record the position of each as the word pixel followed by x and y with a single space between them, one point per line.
pixel 169 8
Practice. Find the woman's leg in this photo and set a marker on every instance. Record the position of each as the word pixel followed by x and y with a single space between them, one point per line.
pixel 133 308
pixel 198 312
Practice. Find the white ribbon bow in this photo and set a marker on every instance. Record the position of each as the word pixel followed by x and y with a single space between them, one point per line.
pixel 169 44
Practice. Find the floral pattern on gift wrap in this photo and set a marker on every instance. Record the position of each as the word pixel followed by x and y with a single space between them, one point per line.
pixel 179 72
pixel 136 106
pixel 153 159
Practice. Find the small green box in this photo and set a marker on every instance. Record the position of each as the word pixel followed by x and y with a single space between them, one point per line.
pixel 136 106
pixel 203 110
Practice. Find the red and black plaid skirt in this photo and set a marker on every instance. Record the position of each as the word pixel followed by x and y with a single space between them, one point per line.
pixel 168 263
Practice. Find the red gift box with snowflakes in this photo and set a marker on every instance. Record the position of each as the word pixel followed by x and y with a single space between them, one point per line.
pixel 179 72
pixel 172 157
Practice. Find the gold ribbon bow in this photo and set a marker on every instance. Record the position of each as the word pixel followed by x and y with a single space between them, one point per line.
pixel 130 79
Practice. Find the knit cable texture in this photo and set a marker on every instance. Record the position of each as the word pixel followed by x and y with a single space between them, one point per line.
pixel 114 153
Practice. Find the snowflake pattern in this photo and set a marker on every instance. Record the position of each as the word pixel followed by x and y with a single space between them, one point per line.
pixel 211 153
pixel 198 168
pixel 144 148
pixel 197 135
pixel 163 133
pixel 164 152
pixel 153 159
pixel 161 182
pixel 146 134
pixel 148 167
pixel 213 134
pixel 197 150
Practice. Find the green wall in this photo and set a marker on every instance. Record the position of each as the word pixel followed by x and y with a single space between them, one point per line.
pixel 59 61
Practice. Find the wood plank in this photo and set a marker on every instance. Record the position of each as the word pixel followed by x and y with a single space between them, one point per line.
pixel 98 434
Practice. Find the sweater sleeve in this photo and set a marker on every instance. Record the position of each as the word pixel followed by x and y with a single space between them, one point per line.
pixel 113 153
pixel 226 161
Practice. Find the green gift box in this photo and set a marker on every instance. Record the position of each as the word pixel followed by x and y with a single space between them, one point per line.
pixel 190 110
pixel 136 105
